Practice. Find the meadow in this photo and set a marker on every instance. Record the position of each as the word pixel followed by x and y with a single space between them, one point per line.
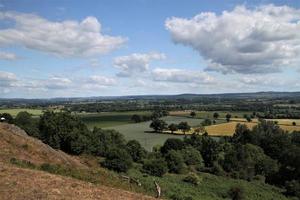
pixel 109 119
pixel 15 111
pixel 143 133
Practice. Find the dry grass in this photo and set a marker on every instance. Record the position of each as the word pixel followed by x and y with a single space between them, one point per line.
pixel 18 183
pixel 14 142
pixel 27 152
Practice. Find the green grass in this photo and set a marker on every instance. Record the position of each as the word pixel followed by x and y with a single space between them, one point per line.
pixel 15 111
pixel 142 132
pixel 109 119
pixel 210 188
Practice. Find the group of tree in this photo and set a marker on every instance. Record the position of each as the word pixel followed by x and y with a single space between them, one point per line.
pixel 159 125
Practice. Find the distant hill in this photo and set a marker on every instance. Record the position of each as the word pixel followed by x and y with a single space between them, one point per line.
pixel 256 95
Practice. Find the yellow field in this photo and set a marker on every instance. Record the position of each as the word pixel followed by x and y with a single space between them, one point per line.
pixel 228 129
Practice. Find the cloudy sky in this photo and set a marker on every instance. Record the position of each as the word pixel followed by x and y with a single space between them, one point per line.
pixel 64 48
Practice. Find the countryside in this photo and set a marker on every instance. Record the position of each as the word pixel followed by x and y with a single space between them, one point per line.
pixel 148 99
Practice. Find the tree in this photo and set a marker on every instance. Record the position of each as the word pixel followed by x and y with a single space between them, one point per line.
pixel 172 144
pixel 136 151
pixel 206 122
pixel 184 126
pixel 118 160
pixel 216 115
pixel 228 116
pixel 158 125
pixel 193 114
pixel 155 166
pixel 64 131
pixel 192 156
pixel 173 127
pixel 136 118
pixel 175 162
pixel 25 121
pixel 8 118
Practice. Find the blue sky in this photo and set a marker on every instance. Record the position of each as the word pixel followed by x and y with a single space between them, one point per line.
pixel 99 48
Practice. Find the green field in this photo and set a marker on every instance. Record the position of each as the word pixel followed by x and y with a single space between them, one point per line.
pixel 15 111
pixel 109 119
pixel 142 132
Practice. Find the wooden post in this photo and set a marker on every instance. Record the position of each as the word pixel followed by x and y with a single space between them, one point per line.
pixel 158 189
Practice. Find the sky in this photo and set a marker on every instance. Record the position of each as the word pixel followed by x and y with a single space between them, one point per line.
pixel 64 48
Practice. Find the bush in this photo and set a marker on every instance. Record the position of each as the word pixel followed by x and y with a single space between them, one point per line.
pixel 155 167
pixel 118 160
pixel 236 193
pixel 172 144
pixel 292 188
pixel 192 156
pixel 136 151
pixel 8 118
pixel 192 178
pixel 175 162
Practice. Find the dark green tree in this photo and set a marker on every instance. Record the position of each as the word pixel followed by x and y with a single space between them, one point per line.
pixel 173 127
pixel 175 162
pixel 184 126
pixel 136 151
pixel 118 160
pixel 193 114
pixel 158 125
pixel 155 166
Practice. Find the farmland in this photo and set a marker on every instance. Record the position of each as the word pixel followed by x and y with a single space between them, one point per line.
pixel 15 111
pixel 142 133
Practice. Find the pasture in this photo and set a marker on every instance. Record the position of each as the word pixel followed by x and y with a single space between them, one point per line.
pixel 108 119
pixel 15 111
pixel 143 133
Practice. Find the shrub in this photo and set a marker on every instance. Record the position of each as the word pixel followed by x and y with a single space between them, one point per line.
pixel 8 118
pixel 236 193
pixel 172 144
pixel 175 162
pixel 155 166
pixel 136 151
pixel 118 160
pixel 292 188
pixel 192 178
pixel 22 163
pixel 192 156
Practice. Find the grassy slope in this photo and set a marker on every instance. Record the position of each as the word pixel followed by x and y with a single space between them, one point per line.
pixel 211 187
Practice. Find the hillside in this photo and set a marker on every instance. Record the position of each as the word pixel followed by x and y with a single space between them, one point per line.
pixel 21 183
pixel 30 169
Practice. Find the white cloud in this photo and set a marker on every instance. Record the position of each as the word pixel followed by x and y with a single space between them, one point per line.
pixel 7 79
pixel 7 56
pixel 135 63
pixel 57 83
pixel 65 38
pixel 101 80
pixel 262 40
pixel 181 76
